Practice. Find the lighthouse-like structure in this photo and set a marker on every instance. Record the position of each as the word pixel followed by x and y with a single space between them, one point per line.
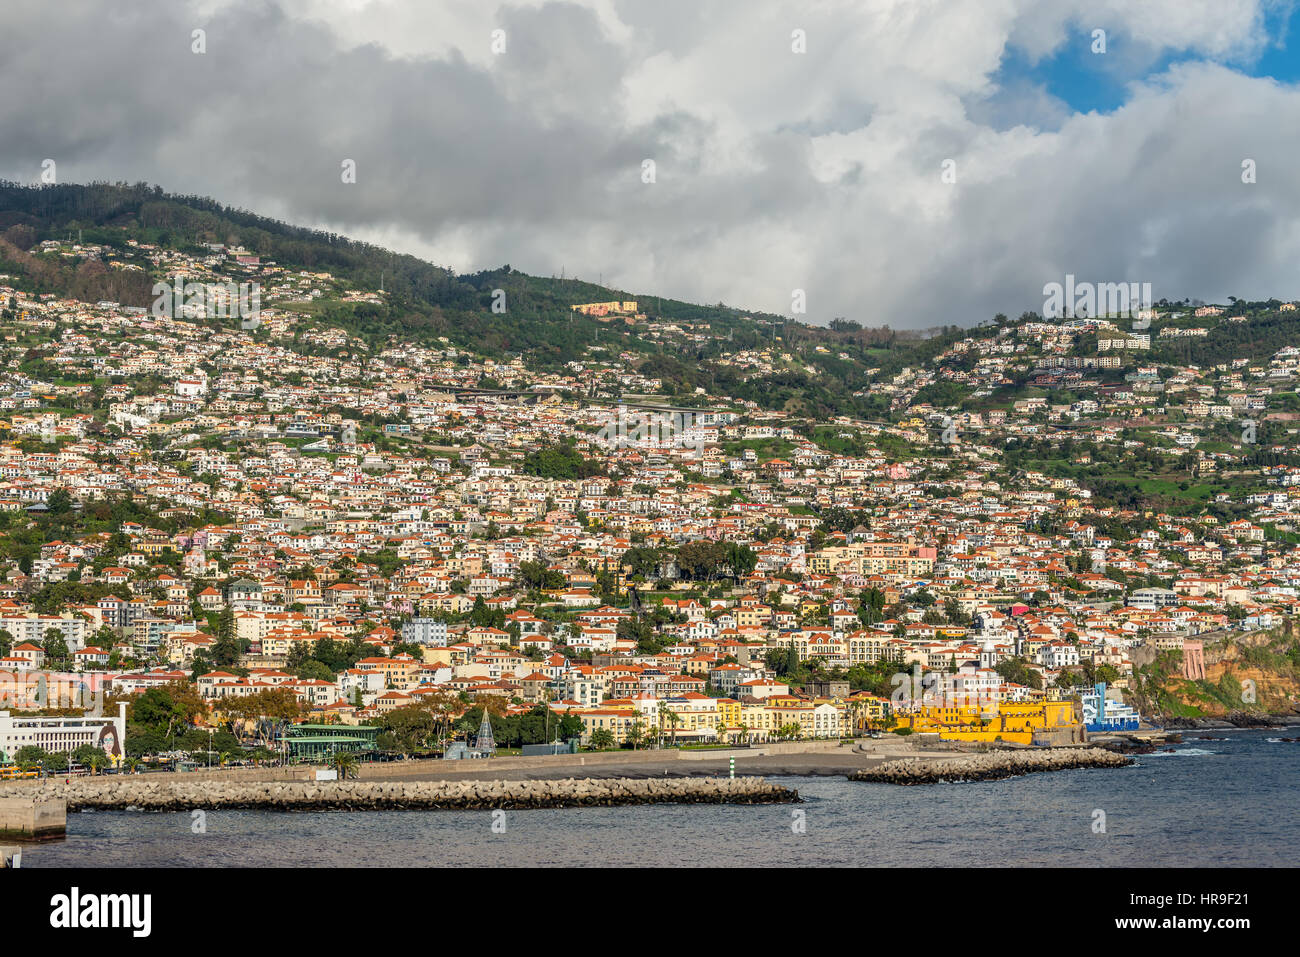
pixel 485 743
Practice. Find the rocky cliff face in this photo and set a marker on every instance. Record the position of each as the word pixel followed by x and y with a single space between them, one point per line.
pixel 1251 679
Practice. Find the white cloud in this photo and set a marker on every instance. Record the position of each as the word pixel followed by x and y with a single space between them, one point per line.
pixel 775 170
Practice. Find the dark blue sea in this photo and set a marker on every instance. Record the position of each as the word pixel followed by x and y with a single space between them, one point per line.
pixel 1229 802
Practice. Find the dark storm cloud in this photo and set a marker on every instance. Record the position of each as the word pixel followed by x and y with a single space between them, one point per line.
pixel 273 107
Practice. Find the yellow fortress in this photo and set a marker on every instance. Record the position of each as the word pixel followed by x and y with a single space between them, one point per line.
pixel 1017 722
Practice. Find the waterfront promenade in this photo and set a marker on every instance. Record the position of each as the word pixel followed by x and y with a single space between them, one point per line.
pixel 795 758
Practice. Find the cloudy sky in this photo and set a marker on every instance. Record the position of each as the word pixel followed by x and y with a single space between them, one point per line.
pixel 921 162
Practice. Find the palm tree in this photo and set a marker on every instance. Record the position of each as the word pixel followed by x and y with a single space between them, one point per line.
pixel 345 763
pixel 674 718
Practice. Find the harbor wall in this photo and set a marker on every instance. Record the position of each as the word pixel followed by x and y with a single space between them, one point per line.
pixel 145 793
pixel 32 815
pixel 989 766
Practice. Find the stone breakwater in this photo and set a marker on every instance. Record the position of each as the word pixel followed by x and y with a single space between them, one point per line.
pixel 118 793
pixel 989 766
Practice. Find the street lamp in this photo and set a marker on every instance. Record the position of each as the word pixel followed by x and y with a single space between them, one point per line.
pixel 210 730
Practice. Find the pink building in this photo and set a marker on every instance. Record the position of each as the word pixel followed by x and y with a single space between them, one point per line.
pixel 1193 660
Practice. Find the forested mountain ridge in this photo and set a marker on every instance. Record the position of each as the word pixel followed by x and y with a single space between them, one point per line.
pixel 422 296
pixel 850 367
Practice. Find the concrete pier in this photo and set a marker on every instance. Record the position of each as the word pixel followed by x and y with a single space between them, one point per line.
pixel 33 816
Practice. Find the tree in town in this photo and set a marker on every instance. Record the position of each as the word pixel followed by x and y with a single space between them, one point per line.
pixel 90 756
pixel 56 650
pixel 345 763
pixel 30 757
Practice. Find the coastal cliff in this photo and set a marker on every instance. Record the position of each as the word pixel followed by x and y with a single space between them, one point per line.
pixel 1251 680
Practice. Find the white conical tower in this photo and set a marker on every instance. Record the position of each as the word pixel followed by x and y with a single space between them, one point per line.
pixel 484 741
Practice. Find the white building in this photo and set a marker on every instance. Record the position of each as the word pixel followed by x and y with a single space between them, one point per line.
pixel 63 734
pixel 1059 654
pixel 34 627
pixel 424 631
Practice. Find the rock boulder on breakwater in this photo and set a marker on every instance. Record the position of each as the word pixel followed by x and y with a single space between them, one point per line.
pixel 116 793
pixel 989 766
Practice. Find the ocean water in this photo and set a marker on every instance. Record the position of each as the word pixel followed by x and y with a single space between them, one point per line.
pixel 1227 802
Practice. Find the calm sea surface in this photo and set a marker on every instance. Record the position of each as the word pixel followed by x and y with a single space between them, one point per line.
pixel 1229 802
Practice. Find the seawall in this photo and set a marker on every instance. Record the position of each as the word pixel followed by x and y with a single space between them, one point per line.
pixel 32 816
pixel 989 766
pixel 144 794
